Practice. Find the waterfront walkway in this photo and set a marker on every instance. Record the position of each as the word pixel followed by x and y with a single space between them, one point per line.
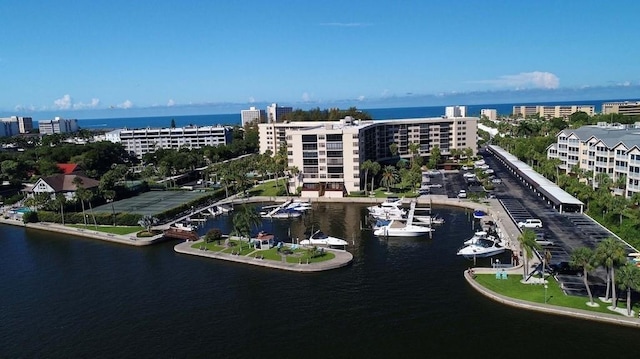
pixel 342 258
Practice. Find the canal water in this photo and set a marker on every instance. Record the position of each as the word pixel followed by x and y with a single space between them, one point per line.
pixel 71 297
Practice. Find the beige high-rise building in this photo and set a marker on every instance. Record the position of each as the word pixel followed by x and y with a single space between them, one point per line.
pixel 623 108
pixel 561 111
pixel 328 154
pixel 253 114
pixel 491 114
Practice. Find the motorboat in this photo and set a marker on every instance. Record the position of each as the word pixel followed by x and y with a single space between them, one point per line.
pixel 320 238
pixel 388 209
pixel 480 236
pixel 300 206
pixel 281 214
pixel 183 226
pixel 481 249
pixel 478 214
pixel 397 228
pixel 427 220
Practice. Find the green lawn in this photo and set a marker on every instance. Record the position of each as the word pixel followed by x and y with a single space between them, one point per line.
pixel 395 192
pixel 121 230
pixel 269 189
pixel 511 287
pixel 299 255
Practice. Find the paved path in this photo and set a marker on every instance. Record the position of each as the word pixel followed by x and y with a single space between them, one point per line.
pixel 342 258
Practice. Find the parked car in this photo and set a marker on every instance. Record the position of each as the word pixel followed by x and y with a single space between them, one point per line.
pixel 433 172
pixel 489 171
pixel 435 185
pixel 496 181
pixel 466 168
pixel 469 175
pixel 462 194
pixel 530 223
pixel 483 167
pixel 423 191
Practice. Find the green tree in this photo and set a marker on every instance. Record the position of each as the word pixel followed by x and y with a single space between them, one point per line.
pixel 393 148
pixel 435 157
pixel 389 177
pixel 610 253
pixel 584 258
pixel 528 244
pixel 212 235
pixel 173 123
pixel 244 220
pixel 60 201
pixel 366 167
pixel 147 221
pixel 81 194
pixel 375 168
pixel 628 278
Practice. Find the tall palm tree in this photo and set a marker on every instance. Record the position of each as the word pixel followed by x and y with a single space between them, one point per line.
pixel 60 200
pixel 243 221
pixel 80 195
pixel 610 254
pixel 528 244
pixel 628 278
pixel 389 177
pixel 375 168
pixel 583 257
pixel 366 167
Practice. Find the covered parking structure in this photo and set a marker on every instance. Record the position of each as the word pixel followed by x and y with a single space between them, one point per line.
pixel 552 194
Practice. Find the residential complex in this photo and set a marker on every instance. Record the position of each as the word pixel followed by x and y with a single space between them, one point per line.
pixel 623 108
pixel 253 114
pixel 275 112
pixel 58 125
pixel 562 111
pixel 24 124
pixel 8 128
pixel 329 154
pixel 141 141
pixel 613 149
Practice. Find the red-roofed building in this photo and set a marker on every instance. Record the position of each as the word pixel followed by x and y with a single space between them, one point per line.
pixel 68 168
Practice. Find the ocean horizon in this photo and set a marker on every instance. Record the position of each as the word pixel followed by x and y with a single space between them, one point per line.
pixel 377 114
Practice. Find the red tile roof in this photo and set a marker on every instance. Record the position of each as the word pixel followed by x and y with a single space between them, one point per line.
pixel 67 168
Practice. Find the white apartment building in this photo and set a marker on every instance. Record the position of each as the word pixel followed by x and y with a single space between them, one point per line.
pixel 25 124
pixel 613 149
pixel 455 111
pixel 58 125
pixel 489 113
pixel 253 114
pixel 146 140
pixel 623 108
pixel 562 111
pixel 275 112
pixel 329 154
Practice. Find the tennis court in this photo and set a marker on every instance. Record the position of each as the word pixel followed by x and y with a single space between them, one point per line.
pixel 151 203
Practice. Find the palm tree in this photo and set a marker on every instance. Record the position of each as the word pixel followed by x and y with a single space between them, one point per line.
pixel 109 195
pixel 414 149
pixel 583 257
pixel 243 221
pixel 375 168
pixel 81 194
pixel 147 221
pixel 610 254
pixel 393 148
pixel 389 177
pixel 528 244
pixel 366 167
pixel 60 200
pixel 628 278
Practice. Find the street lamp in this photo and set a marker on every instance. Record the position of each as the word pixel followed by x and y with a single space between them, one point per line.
pixel 545 293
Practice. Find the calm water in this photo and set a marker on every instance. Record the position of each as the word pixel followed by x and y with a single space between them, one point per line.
pixel 68 297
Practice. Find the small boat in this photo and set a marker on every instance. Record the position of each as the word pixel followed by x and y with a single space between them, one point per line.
pixel 320 238
pixel 427 220
pixel 399 229
pixel 282 214
pixel 481 249
pixel 478 214
pixel 300 206
pixel 183 226
pixel 389 208
pixel 477 237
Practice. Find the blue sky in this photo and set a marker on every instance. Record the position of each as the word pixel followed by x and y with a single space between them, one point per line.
pixel 71 57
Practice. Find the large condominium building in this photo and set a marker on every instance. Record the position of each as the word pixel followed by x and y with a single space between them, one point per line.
pixel 25 124
pixel 141 141
pixel 8 127
pixel 612 149
pixel 562 111
pixel 329 154
pixel 275 112
pixel 253 114
pixel 455 111
pixel 58 125
pixel 623 108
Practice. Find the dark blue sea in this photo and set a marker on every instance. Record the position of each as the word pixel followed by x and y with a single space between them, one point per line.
pixel 376 113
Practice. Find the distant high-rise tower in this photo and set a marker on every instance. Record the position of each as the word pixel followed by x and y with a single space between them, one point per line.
pixel 275 113
pixel 455 111
pixel 490 113
pixel 253 114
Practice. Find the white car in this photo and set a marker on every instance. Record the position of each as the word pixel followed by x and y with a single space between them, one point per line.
pixel 466 168
pixel 530 223
pixel 469 175
pixel 462 194
pixel 489 171
pixel 435 185
pixel 496 181
pixel 483 167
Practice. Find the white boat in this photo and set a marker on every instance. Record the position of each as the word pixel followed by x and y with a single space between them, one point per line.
pixel 183 226
pixel 427 220
pixel 300 206
pixel 476 237
pixel 481 249
pixel 281 214
pixel 478 214
pixel 388 209
pixel 321 239
pixel 399 229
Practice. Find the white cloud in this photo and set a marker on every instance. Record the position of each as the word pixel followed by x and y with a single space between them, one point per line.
pixel 125 105
pixel 171 103
pixel 361 98
pixel 523 80
pixel 93 104
pixel 63 103
pixel 306 97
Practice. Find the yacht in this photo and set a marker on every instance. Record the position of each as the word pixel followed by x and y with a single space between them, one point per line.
pixel 281 214
pixel 299 206
pixel 399 229
pixel 388 209
pixel 481 249
pixel 320 238
pixel 479 235
pixel 183 226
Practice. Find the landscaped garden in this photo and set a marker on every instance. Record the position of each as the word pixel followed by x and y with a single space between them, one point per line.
pixel 299 255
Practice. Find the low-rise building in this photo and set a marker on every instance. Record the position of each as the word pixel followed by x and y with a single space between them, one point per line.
pixel 553 111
